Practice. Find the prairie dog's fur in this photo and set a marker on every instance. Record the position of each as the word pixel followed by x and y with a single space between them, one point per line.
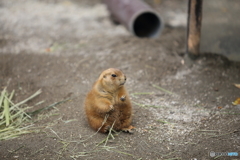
pixel 108 100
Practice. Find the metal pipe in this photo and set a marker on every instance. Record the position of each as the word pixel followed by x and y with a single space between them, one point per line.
pixel 138 17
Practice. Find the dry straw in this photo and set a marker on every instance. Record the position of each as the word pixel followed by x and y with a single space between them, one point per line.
pixel 13 116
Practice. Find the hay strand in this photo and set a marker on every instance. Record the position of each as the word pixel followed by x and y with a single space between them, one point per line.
pixel 162 89
pixel 13 116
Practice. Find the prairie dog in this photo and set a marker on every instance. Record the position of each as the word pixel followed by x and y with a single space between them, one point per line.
pixel 108 103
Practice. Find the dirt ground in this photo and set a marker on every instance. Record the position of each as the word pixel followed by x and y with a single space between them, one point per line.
pixel 62 46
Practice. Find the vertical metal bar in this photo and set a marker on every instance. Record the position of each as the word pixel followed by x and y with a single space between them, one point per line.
pixel 194 27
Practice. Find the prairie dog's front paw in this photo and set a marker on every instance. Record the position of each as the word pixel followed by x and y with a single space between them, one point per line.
pixel 123 98
pixel 111 108
pixel 106 129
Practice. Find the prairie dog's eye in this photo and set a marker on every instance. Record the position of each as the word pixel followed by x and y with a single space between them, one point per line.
pixel 114 75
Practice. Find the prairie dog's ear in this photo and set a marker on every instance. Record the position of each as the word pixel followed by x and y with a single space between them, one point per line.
pixel 104 76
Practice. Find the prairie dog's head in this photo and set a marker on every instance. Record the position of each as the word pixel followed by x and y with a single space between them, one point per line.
pixel 112 79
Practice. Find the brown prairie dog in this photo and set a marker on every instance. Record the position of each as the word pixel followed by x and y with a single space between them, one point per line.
pixel 108 102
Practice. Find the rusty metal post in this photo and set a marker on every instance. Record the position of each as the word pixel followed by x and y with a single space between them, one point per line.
pixel 194 27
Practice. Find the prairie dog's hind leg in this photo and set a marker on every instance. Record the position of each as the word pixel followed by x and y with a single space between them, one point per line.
pixel 99 124
pixel 126 125
pixel 128 129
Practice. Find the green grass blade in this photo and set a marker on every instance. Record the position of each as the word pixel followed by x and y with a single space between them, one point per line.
pixel 47 107
pixel 162 89
pixel 2 96
pixel 6 111
pixel 11 95
pixel 29 98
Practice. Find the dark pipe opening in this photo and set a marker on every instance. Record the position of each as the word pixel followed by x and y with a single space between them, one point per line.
pixel 146 25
